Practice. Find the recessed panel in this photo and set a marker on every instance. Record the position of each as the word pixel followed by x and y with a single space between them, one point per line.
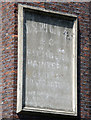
pixel 49 62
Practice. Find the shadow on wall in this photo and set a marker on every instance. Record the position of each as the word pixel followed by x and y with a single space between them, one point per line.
pixel 43 116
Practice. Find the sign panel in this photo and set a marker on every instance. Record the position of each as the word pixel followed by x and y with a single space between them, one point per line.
pixel 47 61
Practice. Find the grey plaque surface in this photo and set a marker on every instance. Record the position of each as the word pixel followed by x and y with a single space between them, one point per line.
pixel 48 63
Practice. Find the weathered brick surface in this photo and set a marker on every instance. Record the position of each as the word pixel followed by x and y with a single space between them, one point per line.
pixel 9 59
pixel 0 62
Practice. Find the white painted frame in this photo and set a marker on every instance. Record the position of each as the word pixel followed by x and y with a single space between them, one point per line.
pixel 20 62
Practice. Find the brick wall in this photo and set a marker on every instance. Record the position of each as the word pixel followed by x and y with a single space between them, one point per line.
pixel 9 60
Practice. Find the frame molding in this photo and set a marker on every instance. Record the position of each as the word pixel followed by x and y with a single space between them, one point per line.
pixel 20 62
